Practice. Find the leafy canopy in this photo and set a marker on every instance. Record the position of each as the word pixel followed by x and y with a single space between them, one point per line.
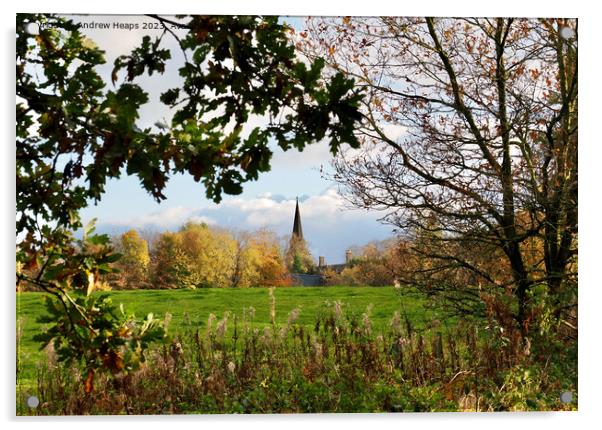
pixel 74 132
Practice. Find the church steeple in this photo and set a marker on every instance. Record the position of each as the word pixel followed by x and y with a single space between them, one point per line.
pixel 297 229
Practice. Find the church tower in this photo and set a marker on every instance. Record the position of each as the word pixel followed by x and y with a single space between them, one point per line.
pixel 298 258
pixel 297 229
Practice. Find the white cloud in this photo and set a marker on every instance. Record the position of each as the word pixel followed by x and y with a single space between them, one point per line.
pixel 329 225
pixel 267 211
pixel 166 219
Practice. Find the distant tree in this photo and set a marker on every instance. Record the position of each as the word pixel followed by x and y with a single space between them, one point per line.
pixel 202 256
pixel 372 264
pixel 133 265
pixel 242 261
pixel 168 264
pixel 150 235
pixel 210 255
pixel 271 268
pixel 298 258
pixel 298 266
pixel 258 260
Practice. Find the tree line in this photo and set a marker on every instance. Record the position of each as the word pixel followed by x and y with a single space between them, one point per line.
pixel 203 256
pixel 198 256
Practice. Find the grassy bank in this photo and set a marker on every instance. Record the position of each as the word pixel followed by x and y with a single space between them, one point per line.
pixel 191 308
pixel 335 349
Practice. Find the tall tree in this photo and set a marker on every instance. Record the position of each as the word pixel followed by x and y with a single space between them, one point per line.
pixel 210 255
pixel 134 262
pixel 472 124
pixel 169 268
pixel 259 260
pixel 298 258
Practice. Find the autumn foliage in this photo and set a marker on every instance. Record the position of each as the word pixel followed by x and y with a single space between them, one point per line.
pixel 469 148
pixel 198 256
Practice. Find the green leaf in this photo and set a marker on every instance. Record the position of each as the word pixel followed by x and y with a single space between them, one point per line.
pixel 98 239
pixel 170 96
pixel 89 228
pixel 201 53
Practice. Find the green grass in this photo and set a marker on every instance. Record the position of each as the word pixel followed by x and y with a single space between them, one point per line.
pixel 190 309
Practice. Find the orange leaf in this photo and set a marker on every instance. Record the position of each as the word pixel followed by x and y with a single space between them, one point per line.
pixel 89 384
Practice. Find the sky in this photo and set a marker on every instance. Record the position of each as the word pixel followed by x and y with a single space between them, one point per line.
pixel 330 225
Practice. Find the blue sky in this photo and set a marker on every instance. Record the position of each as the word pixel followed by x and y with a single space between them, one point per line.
pixel 329 225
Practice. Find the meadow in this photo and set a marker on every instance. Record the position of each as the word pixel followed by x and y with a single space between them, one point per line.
pixel 190 309
pixel 331 349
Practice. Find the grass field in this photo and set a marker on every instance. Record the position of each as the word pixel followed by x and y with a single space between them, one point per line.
pixel 191 309
pixel 327 359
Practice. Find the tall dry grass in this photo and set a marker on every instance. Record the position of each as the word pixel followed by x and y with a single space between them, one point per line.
pixel 341 364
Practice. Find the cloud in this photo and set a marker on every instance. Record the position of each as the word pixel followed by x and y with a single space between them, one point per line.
pixel 268 211
pixel 169 218
pixel 329 225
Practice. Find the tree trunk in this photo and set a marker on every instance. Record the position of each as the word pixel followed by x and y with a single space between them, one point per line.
pixel 523 284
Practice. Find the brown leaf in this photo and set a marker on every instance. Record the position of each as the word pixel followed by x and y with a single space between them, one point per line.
pixel 89 384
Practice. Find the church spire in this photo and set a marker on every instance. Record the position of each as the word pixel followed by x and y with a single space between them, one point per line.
pixel 297 229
